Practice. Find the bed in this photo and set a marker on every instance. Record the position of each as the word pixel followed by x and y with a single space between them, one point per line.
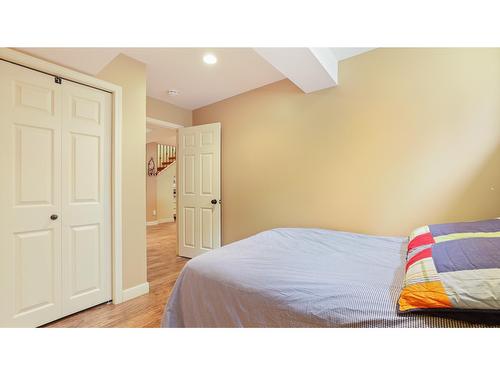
pixel 295 277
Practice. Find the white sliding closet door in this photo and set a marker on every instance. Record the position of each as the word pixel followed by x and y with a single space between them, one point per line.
pixel 54 197
pixel 86 243
pixel 30 192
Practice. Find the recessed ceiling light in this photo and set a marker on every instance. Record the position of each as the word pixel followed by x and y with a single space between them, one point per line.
pixel 173 92
pixel 209 58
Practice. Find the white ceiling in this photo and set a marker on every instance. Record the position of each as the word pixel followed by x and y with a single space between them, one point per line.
pixel 237 70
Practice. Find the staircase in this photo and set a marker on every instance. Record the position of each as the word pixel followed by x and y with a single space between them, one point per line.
pixel 165 156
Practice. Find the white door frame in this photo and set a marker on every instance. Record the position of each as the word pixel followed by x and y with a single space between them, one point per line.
pixel 116 164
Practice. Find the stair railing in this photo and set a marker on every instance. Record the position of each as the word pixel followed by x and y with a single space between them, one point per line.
pixel 166 155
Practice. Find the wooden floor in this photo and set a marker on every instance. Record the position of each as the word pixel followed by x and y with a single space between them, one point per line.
pixel 145 311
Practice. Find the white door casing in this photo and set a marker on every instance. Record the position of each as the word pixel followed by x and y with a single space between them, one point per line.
pixel 199 184
pixel 35 257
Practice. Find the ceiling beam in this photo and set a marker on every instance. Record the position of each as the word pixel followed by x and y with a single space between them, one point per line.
pixel 162 124
pixel 311 69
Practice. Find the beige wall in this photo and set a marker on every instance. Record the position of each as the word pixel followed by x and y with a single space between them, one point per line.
pixel 130 74
pixel 168 112
pixel 409 137
pixel 164 193
pixel 150 183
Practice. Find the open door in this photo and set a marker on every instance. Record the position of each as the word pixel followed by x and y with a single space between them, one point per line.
pixel 198 190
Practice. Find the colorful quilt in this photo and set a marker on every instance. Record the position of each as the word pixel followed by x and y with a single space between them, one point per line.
pixel 437 233
pixel 453 266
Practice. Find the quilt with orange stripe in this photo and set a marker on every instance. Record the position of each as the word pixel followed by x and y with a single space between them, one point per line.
pixel 453 266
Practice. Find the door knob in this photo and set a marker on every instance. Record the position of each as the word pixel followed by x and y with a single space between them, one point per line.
pixel 53 217
pixel 213 201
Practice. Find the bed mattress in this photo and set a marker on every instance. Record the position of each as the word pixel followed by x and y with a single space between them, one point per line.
pixel 298 277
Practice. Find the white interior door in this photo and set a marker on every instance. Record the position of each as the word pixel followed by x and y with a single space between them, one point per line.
pixel 85 214
pixel 199 190
pixel 54 197
pixel 30 186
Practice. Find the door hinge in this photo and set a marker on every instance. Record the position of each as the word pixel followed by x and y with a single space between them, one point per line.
pixel 58 80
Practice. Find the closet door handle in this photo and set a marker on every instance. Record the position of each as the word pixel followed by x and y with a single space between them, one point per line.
pixel 53 217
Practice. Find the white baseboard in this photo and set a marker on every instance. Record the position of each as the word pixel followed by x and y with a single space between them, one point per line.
pixel 159 221
pixel 166 220
pixel 135 291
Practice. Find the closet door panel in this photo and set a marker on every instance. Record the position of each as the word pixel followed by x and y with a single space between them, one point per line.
pixel 86 145
pixel 55 222
pixel 30 185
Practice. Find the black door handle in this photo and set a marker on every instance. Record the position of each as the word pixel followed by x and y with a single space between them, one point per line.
pixel 213 201
pixel 53 217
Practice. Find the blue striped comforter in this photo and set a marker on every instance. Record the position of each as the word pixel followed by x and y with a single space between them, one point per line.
pixel 298 278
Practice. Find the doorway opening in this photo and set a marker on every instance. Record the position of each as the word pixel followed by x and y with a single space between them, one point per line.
pixel 161 186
